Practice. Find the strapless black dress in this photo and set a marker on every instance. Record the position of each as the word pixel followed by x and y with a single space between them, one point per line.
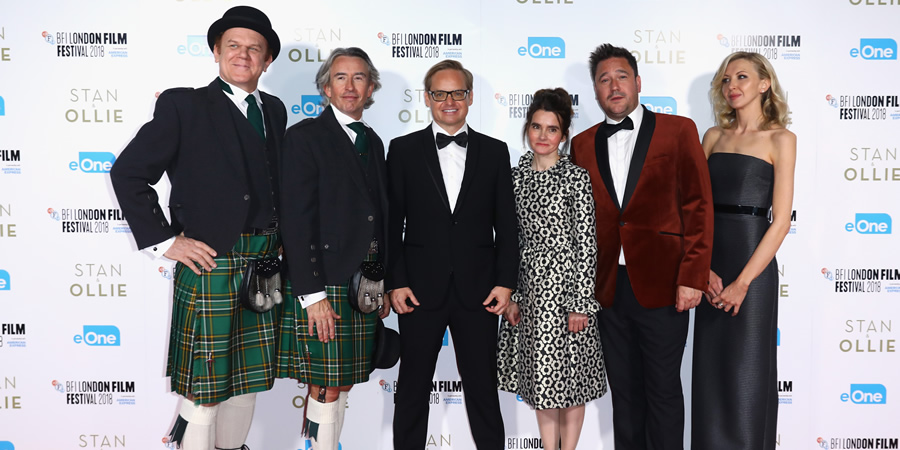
pixel 734 382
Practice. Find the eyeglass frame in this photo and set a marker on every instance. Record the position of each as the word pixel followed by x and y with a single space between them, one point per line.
pixel 449 94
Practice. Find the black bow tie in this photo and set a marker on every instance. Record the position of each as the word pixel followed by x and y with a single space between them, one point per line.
pixel 443 140
pixel 611 129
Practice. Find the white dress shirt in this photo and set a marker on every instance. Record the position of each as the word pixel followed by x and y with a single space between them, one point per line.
pixel 621 149
pixel 453 163
pixel 239 98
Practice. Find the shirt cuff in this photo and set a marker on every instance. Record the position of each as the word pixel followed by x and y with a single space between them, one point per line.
pixel 157 251
pixel 311 299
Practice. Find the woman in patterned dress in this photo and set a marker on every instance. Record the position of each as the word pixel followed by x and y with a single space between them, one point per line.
pixel 549 351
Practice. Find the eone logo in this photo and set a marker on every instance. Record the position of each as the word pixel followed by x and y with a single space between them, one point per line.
pixel 99 336
pixel 665 105
pixel 310 106
pixel 544 47
pixel 4 280
pixel 196 46
pixel 875 49
pixel 866 394
pixel 308 445
pixel 93 162
pixel 878 223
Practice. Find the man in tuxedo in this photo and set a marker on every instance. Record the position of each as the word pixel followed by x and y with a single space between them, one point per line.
pixel 219 147
pixel 335 178
pixel 457 264
pixel 654 236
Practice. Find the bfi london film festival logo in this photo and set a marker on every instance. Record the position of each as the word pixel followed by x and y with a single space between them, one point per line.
pixel 99 336
pixel 97 392
pixel 863 280
pixel 91 44
pixel 423 45
pixel 865 107
pixel 548 47
pixel 448 392
pixel 878 164
pixel 90 220
pixel 658 47
pixel 323 40
pixel 310 106
pixel 98 281
pixel 870 223
pixel 872 336
pixel 866 394
pixel 517 103
pixel 857 442
pixel 8 398
pixel 12 335
pixel 880 49
pixel 785 47
pixel 785 392
pixel 95 106
pixel 10 159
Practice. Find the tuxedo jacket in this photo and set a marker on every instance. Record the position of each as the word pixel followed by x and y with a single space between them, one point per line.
pixel 665 222
pixel 475 245
pixel 198 137
pixel 330 206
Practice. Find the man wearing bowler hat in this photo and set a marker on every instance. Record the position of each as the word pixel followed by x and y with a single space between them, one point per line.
pixel 219 147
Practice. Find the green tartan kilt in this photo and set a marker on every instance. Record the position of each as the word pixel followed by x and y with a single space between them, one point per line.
pixel 344 360
pixel 217 349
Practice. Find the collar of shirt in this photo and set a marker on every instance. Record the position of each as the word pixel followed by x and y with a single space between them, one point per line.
pixel 239 97
pixel 435 129
pixel 345 120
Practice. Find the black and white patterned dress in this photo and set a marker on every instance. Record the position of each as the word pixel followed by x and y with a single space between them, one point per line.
pixel 539 359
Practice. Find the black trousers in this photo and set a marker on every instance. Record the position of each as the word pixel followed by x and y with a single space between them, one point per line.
pixel 643 350
pixel 474 334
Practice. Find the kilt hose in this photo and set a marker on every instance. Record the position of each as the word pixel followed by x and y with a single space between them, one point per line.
pixel 344 360
pixel 217 349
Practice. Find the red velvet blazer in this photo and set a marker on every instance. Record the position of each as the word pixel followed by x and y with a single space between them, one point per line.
pixel 665 222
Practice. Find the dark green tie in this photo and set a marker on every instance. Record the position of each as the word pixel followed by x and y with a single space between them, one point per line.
pixel 254 115
pixel 362 141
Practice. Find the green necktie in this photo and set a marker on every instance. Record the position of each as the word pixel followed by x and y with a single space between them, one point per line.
pixel 362 141
pixel 254 115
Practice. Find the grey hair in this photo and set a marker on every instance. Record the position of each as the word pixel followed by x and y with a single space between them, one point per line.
pixel 324 74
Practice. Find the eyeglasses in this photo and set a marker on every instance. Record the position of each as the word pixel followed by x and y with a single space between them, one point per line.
pixel 458 95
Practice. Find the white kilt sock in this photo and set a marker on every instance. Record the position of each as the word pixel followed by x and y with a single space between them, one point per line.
pixel 233 421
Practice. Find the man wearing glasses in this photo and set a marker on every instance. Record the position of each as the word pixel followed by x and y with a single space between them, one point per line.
pixel 457 264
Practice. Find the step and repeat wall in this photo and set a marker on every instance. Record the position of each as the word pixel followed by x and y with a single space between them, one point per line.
pixel 84 315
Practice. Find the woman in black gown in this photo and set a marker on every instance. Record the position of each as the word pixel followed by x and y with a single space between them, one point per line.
pixel 751 164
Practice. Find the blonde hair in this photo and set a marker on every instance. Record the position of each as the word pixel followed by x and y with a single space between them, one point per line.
pixel 774 107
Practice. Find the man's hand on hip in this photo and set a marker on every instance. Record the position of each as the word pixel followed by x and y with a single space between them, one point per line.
pixel 191 253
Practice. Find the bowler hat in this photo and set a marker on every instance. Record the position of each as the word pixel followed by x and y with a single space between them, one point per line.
pixel 245 17
pixel 387 346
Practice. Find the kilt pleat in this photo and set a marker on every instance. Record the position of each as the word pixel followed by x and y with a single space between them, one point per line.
pixel 217 349
pixel 343 361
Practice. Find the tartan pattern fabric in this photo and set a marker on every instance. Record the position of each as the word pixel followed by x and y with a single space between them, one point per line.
pixel 217 349
pixel 344 360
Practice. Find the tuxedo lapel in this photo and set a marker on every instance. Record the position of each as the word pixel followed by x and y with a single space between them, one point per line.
pixel 641 146
pixel 345 148
pixel 429 153
pixel 272 136
pixel 473 150
pixel 601 148
pixel 220 112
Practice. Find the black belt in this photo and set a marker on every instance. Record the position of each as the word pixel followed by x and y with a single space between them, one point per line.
pixel 742 209
pixel 271 229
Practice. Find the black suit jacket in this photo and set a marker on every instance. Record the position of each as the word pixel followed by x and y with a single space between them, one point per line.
pixel 328 213
pixel 195 139
pixel 477 243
